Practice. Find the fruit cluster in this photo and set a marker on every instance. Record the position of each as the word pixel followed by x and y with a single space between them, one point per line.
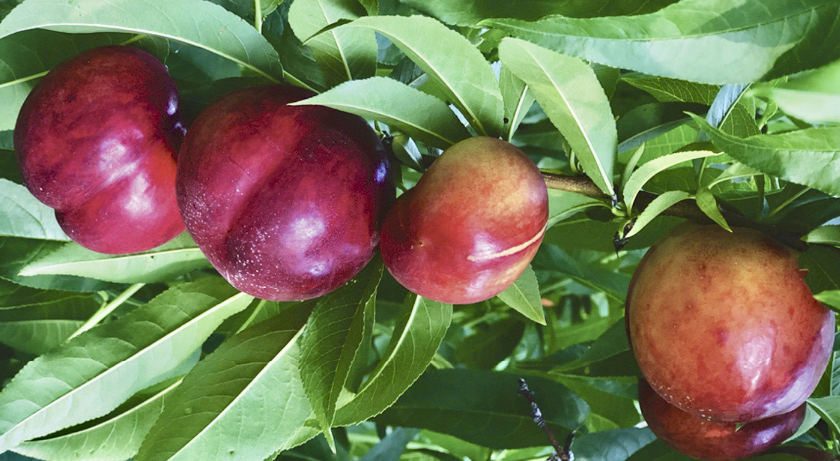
pixel 725 332
pixel 287 202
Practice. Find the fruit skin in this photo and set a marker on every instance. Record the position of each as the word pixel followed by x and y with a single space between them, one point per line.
pixel 699 438
pixel 470 226
pixel 285 201
pixel 96 140
pixel 723 325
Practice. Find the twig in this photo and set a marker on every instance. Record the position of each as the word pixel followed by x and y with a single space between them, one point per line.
pixel 560 453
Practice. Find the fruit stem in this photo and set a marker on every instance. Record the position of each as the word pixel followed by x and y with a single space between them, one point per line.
pixel 106 310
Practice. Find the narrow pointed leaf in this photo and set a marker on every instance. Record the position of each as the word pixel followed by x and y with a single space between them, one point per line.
pixel 655 208
pixel 40 324
pixel 194 22
pixel 455 66
pixel 332 341
pixel 707 203
pixel 569 93
pixel 650 169
pixel 344 54
pixel 413 345
pixel 96 371
pixel 518 99
pixel 673 90
pixel 25 216
pixel 114 437
pixel 18 252
pixel 705 41
pixel 417 114
pixel 812 96
pixel 483 407
pixel 244 401
pixel 524 296
pixel 810 157
pixel 171 259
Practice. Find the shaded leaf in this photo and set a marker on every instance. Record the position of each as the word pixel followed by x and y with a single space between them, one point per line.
pixel 707 203
pixel 613 445
pixel 25 216
pixel 655 208
pixel 38 324
pixel 483 407
pixel 517 98
pixel 650 169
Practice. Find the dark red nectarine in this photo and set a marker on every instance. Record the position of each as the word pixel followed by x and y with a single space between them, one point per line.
pixel 723 325
pixel 285 201
pixel 470 226
pixel 699 438
pixel 95 141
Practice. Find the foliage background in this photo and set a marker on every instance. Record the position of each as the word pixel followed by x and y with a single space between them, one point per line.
pixel 721 110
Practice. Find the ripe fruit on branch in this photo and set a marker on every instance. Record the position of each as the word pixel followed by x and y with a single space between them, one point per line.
pixel 470 226
pixel 723 325
pixel 95 141
pixel 699 438
pixel 285 201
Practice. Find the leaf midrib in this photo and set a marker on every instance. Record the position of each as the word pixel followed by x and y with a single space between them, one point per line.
pixel 40 269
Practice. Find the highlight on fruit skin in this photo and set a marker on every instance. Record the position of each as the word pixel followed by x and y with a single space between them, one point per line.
pixel 96 141
pixel 714 441
pixel 285 201
pixel 723 325
pixel 470 226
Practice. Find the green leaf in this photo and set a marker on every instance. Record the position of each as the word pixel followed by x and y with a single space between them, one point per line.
pixel 517 98
pixel 193 22
pixel 821 265
pixel 491 343
pixel 735 171
pixel 705 41
pixel 24 57
pixel 18 252
pixel 114 437
pixel 611 343
pixel 332 342
pixel 563 203
pixel 650 169
pixel 96 371
pixel 344 54
pixel 570 94
pixel 176 257
pixel 708 204
pixel 810 157
pixel 825 234
pixel 411 111
pixel 829 410
pixel 672 90
pixel 470 12
pixel 244 401
pixel 37 324
pixel 613 445
pixel 612 283
pixel 452 63
pixel 415 341
pixel 524 296
pixel 830 298
pixel 811 96
pixel 25 216
pixel 655 208
pixel 483 407
pixel 391 446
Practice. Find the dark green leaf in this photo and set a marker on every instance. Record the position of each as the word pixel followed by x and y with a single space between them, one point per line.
pixel 483 407
pixel 614 445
